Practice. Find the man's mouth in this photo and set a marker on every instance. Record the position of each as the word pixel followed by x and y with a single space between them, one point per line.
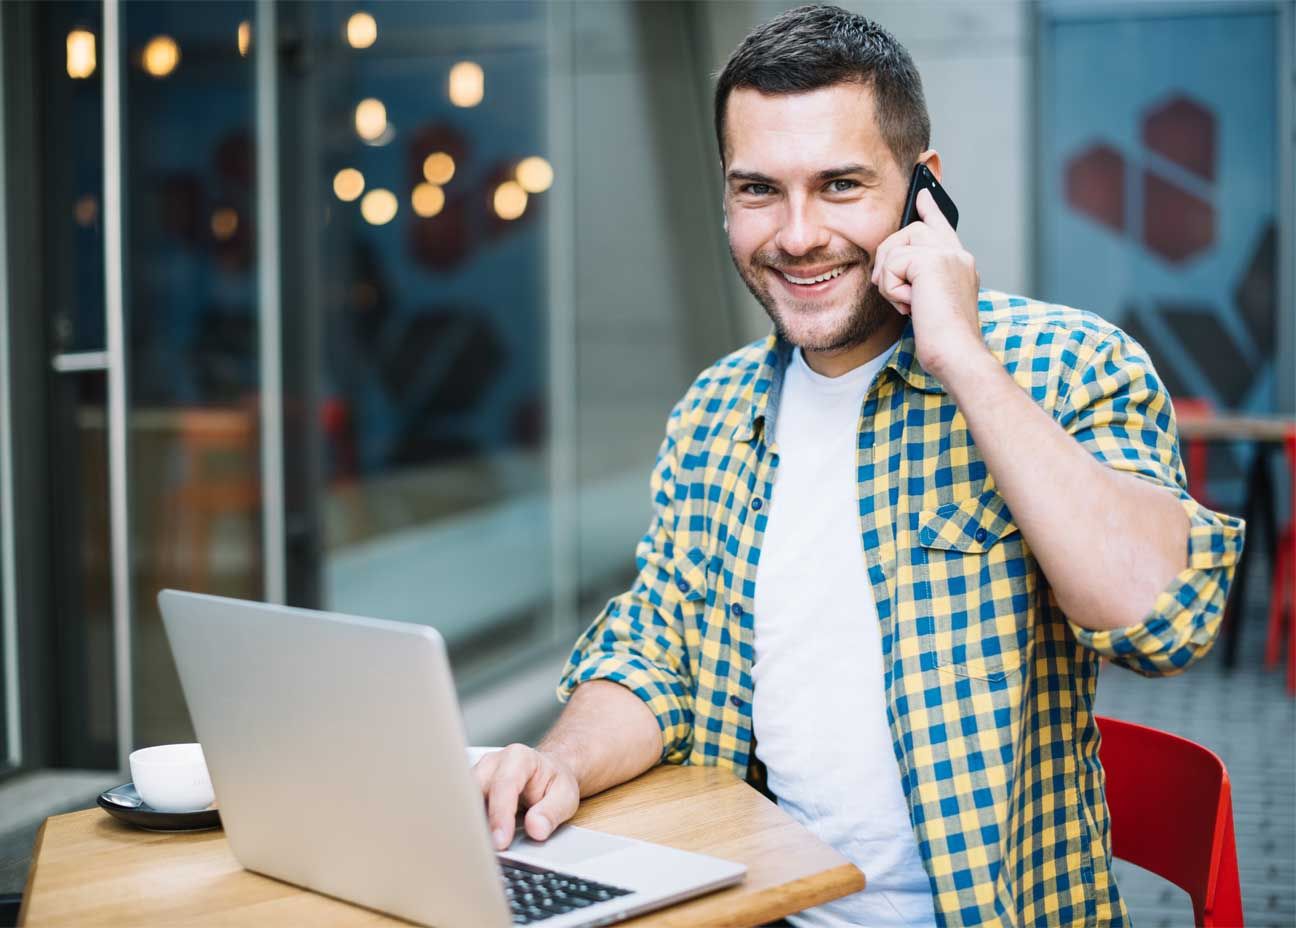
pixel 812 279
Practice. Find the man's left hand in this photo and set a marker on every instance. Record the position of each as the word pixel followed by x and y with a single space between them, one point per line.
pixel 924 271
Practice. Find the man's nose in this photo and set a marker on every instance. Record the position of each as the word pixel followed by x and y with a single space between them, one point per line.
pixel 802 231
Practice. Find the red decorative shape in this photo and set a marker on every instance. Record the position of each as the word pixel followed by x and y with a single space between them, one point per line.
pixel 445 241
pixel 1176 224
pixel 235 158
pixel 1095 185
pixel 1183 131
pixel 427 139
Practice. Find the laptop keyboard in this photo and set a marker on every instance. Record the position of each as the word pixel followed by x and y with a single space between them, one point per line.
pixel 535 894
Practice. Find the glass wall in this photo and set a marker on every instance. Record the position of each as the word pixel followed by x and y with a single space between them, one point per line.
pixel 425 223
pixel 501 263
pixel 64 131
pixel 192 350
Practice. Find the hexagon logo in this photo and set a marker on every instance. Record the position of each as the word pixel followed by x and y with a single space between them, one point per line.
pixel 1095 185
pixel 1176 224
pixel 1183 131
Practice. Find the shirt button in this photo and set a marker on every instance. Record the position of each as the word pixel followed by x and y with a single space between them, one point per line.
pixel 756 503
pixel 735 702
pixel 736 609
pixel 682 584
pixel 980 534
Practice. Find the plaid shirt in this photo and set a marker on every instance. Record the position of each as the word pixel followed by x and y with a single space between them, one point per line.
pixel 990 688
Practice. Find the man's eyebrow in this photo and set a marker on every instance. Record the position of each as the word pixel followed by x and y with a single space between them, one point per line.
pixel 844 170
pixel 863 170
pixel 753 177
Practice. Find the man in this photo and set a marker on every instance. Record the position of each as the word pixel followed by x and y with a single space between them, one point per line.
pixel 893 540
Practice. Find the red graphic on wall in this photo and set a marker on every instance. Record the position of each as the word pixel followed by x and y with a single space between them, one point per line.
pixel 1095 185
pixel 1183 131
pixel 1177 223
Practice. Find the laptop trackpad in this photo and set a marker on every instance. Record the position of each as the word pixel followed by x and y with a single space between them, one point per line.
pixel 567 845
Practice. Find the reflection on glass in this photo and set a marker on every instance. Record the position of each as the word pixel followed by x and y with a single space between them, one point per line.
pixel 432 392
pixel 244 38
pixel 82 588
pixel 161 55
pixel 194 416
pixel 87 211
pixel 348 184
pixel 467 84
pixel 224 223
pixel 379 207
pixel 438 168
pixel 534 174
pixel 428 200
pixel 80 53
pixel 510 200
pixel 361 30
pixel 64 138
pixel 370 119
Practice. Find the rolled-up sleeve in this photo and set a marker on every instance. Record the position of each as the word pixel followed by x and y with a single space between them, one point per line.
pixel 1119 410
pixel 638 640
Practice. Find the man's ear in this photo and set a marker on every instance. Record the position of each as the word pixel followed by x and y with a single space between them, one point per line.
pixel 931 158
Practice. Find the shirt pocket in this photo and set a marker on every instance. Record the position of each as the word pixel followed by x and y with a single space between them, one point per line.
pixel 690 579
pixel 977 586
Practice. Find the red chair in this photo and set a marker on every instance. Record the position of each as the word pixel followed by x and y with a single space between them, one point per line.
pixel 1282 597
pixel 1171 813
pixel 1194 449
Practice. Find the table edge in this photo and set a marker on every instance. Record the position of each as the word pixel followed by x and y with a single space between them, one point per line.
pixel 31 872
pixel 837 883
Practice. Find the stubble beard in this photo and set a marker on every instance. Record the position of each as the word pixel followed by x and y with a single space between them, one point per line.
pixel 869 311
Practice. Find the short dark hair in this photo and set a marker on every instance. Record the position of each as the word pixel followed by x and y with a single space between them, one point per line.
pixel 812 47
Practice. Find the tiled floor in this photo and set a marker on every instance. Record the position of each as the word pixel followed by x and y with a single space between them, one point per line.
pixel 1246 717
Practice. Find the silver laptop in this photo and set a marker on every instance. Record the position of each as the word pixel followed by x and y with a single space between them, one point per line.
pixel 336 749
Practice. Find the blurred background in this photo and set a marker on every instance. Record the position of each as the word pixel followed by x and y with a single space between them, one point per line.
pixel 380 307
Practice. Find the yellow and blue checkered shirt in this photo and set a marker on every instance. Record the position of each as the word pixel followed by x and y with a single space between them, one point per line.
pixel 990 688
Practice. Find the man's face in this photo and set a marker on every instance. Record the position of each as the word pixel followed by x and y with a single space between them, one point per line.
pixel 811 190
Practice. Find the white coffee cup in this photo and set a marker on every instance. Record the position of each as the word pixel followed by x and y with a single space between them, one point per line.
pixel 172 777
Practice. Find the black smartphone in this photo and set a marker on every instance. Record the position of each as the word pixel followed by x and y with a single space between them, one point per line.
pixel 923 177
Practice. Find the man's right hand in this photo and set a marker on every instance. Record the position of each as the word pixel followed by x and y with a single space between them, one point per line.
pixel 523 777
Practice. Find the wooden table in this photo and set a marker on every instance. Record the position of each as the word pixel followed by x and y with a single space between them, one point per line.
pixel 1230 426
pixel 1267 433
pixel 89 869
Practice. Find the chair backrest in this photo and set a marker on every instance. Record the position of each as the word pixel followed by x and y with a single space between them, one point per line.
pixel 1194 450
pixel 1171 813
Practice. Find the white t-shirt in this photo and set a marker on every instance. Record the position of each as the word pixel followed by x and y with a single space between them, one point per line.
pixel 818 707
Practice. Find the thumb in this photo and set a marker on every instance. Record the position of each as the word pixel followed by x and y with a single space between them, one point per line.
pixel 558 804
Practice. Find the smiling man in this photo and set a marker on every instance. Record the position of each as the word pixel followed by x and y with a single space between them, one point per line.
pixel 893 540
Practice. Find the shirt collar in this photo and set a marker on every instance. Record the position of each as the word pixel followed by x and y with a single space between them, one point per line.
pixel 762 394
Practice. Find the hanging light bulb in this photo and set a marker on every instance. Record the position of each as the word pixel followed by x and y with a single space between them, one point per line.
pixel 510 200
pixel 467 84
pixel 438 168
pixel 534 174
pixel 379 207
pixel 161 56
pixel 80 53
pixel 361 30
pixel 427 200
pixel 224 223
pixel 348 184
pixel 370 119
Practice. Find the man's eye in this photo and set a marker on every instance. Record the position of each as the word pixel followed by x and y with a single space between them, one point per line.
pixel 758 190
pixel 841 185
